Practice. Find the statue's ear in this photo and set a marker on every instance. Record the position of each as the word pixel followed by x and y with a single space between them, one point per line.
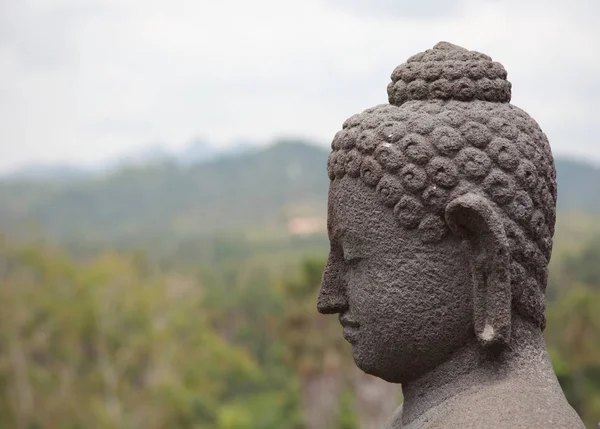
pixel 472 218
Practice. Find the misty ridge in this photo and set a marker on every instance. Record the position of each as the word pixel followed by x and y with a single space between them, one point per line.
pixel 196 151
pixel 276 190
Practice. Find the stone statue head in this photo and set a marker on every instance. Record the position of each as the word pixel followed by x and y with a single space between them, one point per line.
pixel 441 214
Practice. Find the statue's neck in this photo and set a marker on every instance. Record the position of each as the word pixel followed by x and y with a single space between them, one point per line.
pixel 471 367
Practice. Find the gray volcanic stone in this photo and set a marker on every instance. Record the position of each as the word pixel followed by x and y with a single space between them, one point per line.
pixel 441 215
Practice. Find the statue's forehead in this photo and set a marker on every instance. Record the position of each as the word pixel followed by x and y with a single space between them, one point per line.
pixel 353 209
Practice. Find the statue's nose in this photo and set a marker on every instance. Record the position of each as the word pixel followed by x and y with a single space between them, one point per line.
pixel 332 294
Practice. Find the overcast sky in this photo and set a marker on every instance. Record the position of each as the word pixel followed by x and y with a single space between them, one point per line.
pixel 86 80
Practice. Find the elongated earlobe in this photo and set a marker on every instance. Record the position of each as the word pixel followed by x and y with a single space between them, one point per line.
pixel 473 218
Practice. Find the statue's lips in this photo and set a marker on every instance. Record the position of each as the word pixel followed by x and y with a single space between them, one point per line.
pixel 350 334
pixel 350 331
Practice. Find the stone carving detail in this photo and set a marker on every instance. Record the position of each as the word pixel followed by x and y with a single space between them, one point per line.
pixel 448 73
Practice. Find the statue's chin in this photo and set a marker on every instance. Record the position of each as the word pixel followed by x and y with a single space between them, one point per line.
pixel 369 364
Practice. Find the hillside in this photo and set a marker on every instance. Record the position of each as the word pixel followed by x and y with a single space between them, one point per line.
pixel 261 189
pixel 578 186
pixel 257 192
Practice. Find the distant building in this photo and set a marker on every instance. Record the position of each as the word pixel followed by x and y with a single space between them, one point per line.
pixel 306 225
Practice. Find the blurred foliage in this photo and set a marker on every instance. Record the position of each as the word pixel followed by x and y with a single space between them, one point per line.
pixel 573 331
pixel 108 343
pixel 114 341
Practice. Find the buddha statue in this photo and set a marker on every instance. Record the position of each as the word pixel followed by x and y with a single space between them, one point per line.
pixel 441 213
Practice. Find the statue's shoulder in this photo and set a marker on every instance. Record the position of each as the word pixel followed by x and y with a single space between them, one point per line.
pixel 502 406
pixel 510 406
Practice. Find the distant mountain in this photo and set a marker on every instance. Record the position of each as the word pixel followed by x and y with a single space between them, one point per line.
pixel 200 151
pixel 54 172
pixel 256 188
pixel 150 155
pixel 578 185
pixel 261 190
pixel 197 151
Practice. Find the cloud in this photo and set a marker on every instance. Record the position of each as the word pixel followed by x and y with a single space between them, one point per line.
pixel 83 80
pixel 392 9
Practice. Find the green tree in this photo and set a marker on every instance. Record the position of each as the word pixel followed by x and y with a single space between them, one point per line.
pixel 103 344
pixel 573 331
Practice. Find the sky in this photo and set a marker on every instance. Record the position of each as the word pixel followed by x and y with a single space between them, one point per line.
pixel 84 81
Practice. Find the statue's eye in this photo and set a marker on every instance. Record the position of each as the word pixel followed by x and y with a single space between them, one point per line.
pixel 352 262
pixel 350 258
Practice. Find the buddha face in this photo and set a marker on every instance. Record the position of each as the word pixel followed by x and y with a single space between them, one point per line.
pixel 404 305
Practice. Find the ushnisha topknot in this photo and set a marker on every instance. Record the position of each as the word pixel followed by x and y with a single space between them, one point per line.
pixel 449 72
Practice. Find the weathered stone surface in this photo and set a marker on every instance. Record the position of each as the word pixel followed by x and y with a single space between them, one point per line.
pixel 441 216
